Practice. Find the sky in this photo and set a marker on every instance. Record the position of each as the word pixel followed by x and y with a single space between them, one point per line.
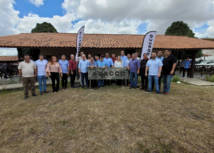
pixel 105 16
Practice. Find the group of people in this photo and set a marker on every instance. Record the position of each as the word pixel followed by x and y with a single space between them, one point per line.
pixel 151 71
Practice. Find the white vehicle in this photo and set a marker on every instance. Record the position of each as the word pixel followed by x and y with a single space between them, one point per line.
pixel 206 63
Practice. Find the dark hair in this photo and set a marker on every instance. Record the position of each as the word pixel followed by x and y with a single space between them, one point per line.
pixel 27 55
pixel 145 53
pixel 41 54
pixel 63 55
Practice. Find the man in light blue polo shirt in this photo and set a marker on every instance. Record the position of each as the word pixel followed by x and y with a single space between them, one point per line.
pixel 65 70
pixel 102 64
pixel 109 63
pixel 155 67
pixel 187 65
pixel 41 73
pixel 160 57
pixel 108 60
pixel 83 70
pixel 123 58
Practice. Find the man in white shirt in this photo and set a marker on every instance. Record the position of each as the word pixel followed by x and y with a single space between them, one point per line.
pixel 27 70
pixel 41 65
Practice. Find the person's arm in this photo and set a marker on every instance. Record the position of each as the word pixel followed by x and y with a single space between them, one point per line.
pixel 112 63
pixel 20 69
pixel 174 66
pixel 79 67
pixel 48 69
pixel 68 68
pixel 60 70
pixel 160 69
pixel 138 65
pixel 20 72
pixel 35 71
pixel 146 70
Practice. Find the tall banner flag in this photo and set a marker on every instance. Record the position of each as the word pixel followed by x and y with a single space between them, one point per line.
pixel 148 43
pixel 79 40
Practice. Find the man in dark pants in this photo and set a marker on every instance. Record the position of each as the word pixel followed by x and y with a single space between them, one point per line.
pixel 73 67
pixel 83 70
pixel 65 70
pixel 144 79
pixel 187 66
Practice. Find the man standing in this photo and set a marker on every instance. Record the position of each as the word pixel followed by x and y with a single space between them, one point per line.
pixel 109 63
pixel 127 60
pixel 83 70
pixel 144 79
pixel 41 65
pixel 92 64
pixel 65 70
pixel 155 67
pixel 169 64
pixel 73 67
pixel 97 58
pixel 113 58
pixel 134 67
pixel 137 56
pixel 160 57
pixel 26 71
pixel 123 58
pixel 187 65
pixel 89 57
pixel 102 64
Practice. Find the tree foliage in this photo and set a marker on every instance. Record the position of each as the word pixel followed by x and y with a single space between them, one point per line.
pixel 44 27
pixel 179 28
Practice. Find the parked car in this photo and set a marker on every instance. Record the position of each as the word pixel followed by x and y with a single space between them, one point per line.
pixel 206 63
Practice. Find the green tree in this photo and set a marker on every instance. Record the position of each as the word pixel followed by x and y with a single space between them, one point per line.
pixel 44 27
pixel 179 28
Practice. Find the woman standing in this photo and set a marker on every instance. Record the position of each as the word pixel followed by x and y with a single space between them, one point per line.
pixel 118 63
pixel 54 70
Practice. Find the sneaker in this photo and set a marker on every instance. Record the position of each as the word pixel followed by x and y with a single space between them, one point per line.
pixel 148 91
pixel 158 93
pixel 166 93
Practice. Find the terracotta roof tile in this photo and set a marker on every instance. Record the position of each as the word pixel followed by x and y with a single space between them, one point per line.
pixel 8 58
pixel 40 40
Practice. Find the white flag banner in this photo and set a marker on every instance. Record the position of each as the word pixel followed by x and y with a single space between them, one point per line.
pixel 148 43
pixel 79 40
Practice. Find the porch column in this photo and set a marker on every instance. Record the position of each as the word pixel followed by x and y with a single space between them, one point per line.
pixel 193 63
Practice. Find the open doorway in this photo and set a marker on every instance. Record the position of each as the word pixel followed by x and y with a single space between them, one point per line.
pixel 129 51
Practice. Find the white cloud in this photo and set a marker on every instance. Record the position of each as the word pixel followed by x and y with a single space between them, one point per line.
pixel 8 51
pixel 37 2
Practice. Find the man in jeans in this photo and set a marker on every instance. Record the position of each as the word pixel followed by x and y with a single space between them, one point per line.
pixel 155 67
pixel 65 70
pixel 187 66
pixel 41 65
pixel 134 67
pixel 27 70
pixel 102 64
pixel 73 67
pixel 83 70
pixel 169 64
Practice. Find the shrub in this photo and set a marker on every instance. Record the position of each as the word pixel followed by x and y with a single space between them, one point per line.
pixel 175 78
pixel 211 79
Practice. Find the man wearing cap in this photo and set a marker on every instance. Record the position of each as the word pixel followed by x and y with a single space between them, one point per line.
pixel 102 64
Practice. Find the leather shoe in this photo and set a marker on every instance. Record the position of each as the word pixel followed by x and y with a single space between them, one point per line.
pixel 41 93
pixel 25 97
pixel 34 95
pixel 46 92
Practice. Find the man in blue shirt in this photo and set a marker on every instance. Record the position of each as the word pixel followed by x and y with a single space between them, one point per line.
pixel 83 70
pixel 155 67
pixel 92 64
pixel 109 63
pixel 123 58
pixel 134 67
pixel 187 66
pixel 64 64
pixel 160 57
pixel 102 64
pixel 41 65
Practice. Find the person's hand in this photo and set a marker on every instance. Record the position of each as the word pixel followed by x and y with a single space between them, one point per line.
pixel 35 76
pixel 72 72
pixel 146 74
pixel 172 72
pixel 92 67
pixel 103 66
pixel 79 71
pixel 159 75
pixel 68 73
pixel 49 74
pixel 61 75
pixel 137 72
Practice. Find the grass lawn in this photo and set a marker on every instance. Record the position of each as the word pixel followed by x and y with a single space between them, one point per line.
pixel 111 119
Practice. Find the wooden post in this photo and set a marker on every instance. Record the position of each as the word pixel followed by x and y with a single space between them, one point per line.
pixel 193 64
